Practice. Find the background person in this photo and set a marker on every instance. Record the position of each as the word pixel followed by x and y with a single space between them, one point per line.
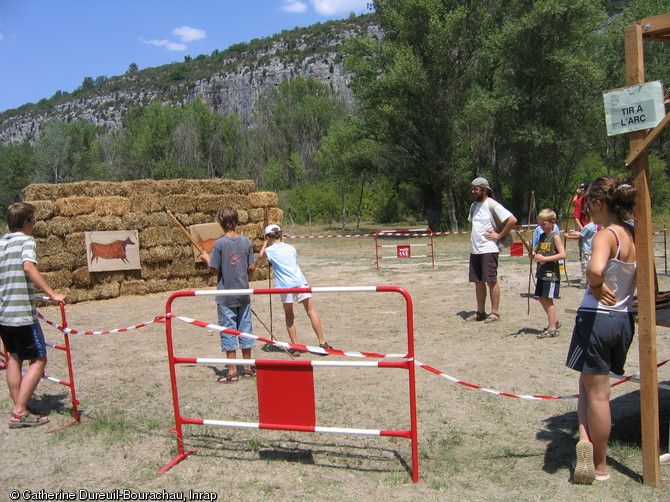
pixel 484 249
pixel 19 327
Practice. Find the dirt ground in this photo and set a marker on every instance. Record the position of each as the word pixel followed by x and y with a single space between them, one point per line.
pixel 472 445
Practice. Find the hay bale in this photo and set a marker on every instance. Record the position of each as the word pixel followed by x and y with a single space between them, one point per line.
pixel 41 191
pixel 60 261
pixel 180 203
pixel 207 203
pixel 182 267
pixel 40 229
pixel 275 215
pixel 160 219
pixel 154 271
pixel 195 219
pixel 256 215
pixel 52 245
pixel 160 253
pixel 106 291
pixel 135 221
pixel 263 199
pixel 81 278
pixel 112 223
pixel 58 279
pixel 133 288
pixel 112 206
pixel 93 189
pixel 159 236
pixel 58 226
pixel 251 230
pixel 147 203
pixel 75 243
pixel 44 209
pixel 156 285
pixel 74 206
pixel 140 187
pixel 243 216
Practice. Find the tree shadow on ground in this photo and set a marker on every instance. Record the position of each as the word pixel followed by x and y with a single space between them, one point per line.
pixel 45 404
pixel 626 430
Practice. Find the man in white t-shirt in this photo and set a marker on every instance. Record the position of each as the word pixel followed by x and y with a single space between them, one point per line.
pixel 484 248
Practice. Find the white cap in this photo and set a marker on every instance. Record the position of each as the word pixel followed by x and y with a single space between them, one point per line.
pixel 270 229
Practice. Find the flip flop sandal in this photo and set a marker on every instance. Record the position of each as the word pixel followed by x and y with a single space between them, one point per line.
pixel 229 378
pixel 492 317
pixel 477 316
pixel 325 346
pixel 294 352
pixel 27 420
pixel 248 373
pixel 549 333
pixel 585 471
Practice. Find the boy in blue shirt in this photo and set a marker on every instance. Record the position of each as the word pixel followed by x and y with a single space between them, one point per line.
pixel 232 261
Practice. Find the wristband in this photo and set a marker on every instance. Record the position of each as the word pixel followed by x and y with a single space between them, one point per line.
pixel 596 287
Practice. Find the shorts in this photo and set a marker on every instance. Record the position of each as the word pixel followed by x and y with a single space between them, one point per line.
pixel 297 297
pixel 26 341
pixel 237 318
pixel 600 342
pixel 484 267
pixel 547 289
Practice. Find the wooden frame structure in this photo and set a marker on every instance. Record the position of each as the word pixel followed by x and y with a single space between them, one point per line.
pixel 656 28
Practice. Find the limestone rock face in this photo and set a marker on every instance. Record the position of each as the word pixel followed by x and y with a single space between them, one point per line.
pixel 235 87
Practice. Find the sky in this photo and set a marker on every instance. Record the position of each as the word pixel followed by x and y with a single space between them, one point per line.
pixel 51 45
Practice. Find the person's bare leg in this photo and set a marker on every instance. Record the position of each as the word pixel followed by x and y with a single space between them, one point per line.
pixel 598 417
pixel 494 292
pixel 314 318
pixel 231 354
pixel 290 322
pixel 480 291
pixel 27 383
pixel 246 354
pixel 550 309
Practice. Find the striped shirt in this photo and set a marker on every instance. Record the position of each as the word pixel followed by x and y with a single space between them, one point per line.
pixel 16 289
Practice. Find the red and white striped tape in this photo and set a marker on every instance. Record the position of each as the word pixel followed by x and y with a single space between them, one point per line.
pixel 518 396
pixel 320 350
pixel 404 234
pixel 70 331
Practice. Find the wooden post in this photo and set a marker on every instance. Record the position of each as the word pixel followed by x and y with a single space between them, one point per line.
pixel 645 277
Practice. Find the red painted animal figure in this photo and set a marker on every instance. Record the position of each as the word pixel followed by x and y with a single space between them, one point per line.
pixel 207 245
pixel 116 249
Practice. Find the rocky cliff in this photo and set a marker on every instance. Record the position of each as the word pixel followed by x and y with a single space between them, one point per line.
pixel 230 84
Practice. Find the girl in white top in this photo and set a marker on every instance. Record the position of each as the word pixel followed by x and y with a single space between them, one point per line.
pixel 604 325
pixel 284 259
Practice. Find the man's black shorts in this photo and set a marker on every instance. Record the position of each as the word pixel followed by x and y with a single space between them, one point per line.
pixel 484 267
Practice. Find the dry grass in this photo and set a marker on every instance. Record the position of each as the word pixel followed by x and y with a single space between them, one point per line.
pixel 473 446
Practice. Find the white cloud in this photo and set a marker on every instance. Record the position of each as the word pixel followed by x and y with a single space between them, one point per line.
pixel 171 46
pixel 295 6
pixel 332 7
pixel 1 36
pixel 188 34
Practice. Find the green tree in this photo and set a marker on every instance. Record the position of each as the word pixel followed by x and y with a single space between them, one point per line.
pixel 51 150
pixel 411 85
pixel 351 161
pixel 290 122
pixel 18 165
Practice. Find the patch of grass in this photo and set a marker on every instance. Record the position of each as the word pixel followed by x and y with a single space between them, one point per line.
pixel 394 479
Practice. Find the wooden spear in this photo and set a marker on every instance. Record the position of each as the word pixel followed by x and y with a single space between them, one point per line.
pixel 530 273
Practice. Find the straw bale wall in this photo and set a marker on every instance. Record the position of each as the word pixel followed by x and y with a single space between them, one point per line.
pixel 66 211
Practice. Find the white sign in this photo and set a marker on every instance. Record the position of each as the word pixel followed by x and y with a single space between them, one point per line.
pixel 634 108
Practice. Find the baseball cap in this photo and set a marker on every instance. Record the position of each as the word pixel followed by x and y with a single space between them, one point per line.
pixel 480 182
pixel 270 229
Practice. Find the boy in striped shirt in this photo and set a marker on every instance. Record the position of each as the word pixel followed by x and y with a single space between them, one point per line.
pixel 19 327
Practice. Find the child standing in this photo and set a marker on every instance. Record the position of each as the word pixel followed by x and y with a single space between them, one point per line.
pixel 548 252
pixel 284 259
pixel 232 261
pixel 19 327
pixel 585 235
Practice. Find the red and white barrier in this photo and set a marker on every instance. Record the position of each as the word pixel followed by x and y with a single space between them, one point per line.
pixel 404 251
pixel 68 356
pixel 282 382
